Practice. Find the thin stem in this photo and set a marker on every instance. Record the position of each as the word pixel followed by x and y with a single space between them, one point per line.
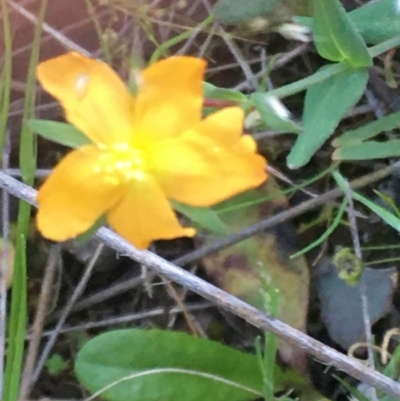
pixel 77 292
pixel 363 287
pixel 130 318
pixel 5 262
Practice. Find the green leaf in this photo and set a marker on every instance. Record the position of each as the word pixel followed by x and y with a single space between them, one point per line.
pixel 213 92
pixel 368 131
pixel 270 116
pixel 389 201
pixel 332 227
pixel 165 365
pixel 325 105
pixel 357 395
pixel 377 21
pixel 392 368
pixel 234 11
pixel 307 22
pixel 16 329
pixel 335 36
pixel 204 217
pixel 62 133
pixel 368 150
pixel 56 364
pixel 383 213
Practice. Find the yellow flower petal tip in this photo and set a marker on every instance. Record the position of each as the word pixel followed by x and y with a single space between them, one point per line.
pixel 145 150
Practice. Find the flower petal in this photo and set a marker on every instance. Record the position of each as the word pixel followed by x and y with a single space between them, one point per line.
pixel 196 170
pixel 144 214
pixel 75 195
pixel 95 99
pixel 170 97
pixel 224 126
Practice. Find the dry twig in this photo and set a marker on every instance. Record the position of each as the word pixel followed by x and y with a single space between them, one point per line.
pixel 37 327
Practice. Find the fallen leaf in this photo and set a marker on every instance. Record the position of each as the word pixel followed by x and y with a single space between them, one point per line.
pixel 341 308
pixel 237 269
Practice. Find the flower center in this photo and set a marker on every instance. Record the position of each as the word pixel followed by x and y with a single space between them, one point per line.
pixel 121 162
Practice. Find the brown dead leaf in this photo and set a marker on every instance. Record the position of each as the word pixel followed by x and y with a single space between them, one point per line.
pixel 237 269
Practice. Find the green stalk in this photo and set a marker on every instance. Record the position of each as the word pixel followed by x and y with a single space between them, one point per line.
pixel 27 160
pixel 5 94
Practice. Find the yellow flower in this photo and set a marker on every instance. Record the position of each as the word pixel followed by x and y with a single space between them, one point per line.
pixel 145 150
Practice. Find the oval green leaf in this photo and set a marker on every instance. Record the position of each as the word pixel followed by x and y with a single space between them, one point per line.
pixel 325 105
pixel 335 36
pixel 153 365
pixel 377 21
